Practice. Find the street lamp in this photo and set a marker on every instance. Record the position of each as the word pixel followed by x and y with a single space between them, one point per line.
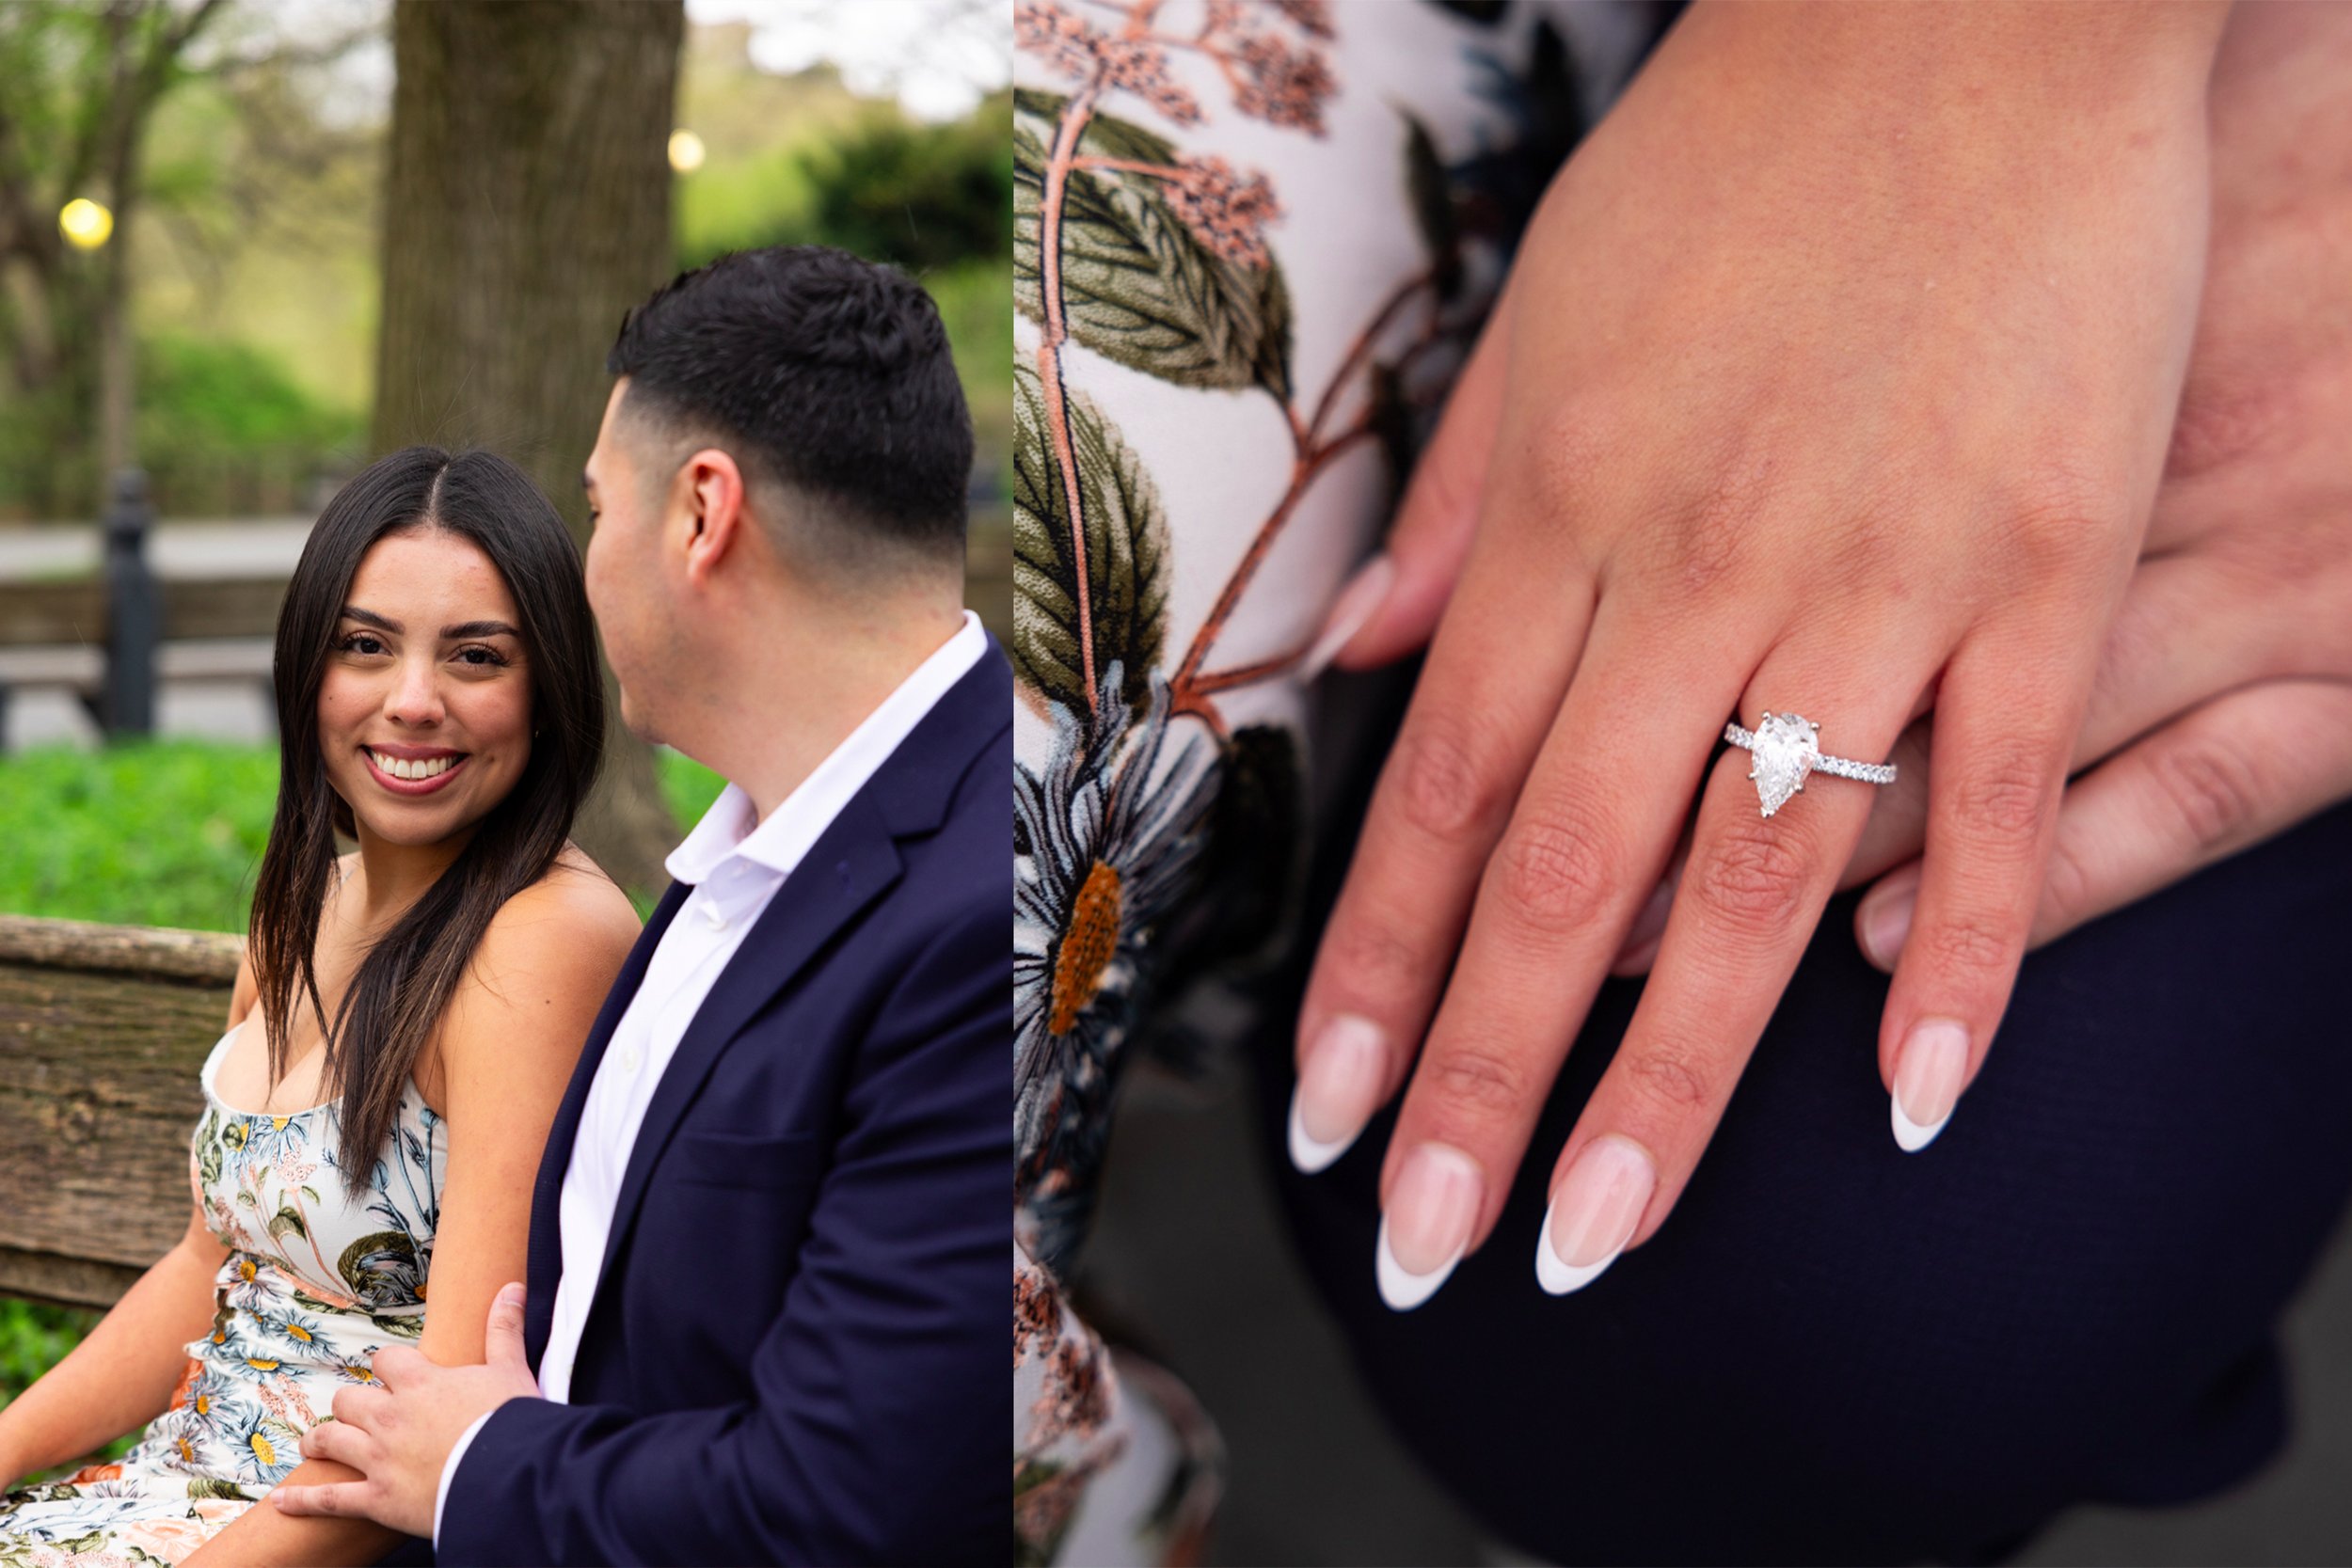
pixel 85 224
pixel 686 151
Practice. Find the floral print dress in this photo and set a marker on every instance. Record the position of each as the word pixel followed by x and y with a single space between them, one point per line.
pixel 317 1280
pixel 1254 240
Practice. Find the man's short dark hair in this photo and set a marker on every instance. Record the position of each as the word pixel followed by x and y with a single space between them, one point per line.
pixel 818 370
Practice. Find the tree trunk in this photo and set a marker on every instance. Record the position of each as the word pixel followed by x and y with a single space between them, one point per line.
pixel 527 207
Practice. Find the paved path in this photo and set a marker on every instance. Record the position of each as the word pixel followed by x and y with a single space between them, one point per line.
pixel 196 547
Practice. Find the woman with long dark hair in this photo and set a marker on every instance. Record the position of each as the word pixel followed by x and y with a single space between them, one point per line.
pixel 406 1022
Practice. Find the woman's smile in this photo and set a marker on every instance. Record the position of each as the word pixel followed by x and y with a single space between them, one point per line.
pixel 413 770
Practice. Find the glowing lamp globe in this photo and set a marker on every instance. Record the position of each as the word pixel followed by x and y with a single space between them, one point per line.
pixel 686 151
pixel 85 224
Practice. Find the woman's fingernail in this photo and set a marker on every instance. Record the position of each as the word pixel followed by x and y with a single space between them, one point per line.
pixel 1928 1072
pixel 1339 1088
pixel 1365 592
pixel 1886 919
pixel 1649 928
pixel 1594 1213
pixel 1427 1226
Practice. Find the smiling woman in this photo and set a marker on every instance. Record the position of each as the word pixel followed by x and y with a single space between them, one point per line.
pixel 405 1021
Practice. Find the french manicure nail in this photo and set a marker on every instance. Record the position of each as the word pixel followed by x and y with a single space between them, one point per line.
pixel 1649 928
pixel 1594 1213
pixel 1886 923
pixel 1365 592
pixel 1427 1226
pixel 1928 1072
pixel 1339 1088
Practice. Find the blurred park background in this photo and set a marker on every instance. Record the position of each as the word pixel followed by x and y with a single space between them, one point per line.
pixel 247 246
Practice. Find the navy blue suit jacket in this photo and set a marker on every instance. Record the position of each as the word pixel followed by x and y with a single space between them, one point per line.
pixel 794 1352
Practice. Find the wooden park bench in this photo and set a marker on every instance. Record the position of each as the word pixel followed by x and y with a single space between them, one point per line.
pixel 110 639
pixel 103 1032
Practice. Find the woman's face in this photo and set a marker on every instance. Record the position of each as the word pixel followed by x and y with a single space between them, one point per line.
pixel 424 712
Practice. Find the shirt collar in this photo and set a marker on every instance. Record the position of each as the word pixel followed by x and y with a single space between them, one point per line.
pixel 732 827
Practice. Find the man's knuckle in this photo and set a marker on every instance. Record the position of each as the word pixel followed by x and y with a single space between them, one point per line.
pixel 1480 1084
pixel 2213 789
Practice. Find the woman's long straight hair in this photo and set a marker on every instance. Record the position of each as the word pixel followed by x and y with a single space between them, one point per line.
pixel 397 995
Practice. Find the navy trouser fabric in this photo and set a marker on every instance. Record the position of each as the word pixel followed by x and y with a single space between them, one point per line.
pixel 1834 1350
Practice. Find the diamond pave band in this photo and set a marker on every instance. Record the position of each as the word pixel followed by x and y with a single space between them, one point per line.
pixel 1785 751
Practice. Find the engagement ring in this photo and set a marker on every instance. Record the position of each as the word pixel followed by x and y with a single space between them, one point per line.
pixel 1785 751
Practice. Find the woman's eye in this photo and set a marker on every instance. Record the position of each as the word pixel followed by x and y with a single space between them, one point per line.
pixel 362 643
pixel 480 656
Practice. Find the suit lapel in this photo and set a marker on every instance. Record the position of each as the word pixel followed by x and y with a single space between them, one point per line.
pixel 845 870
pixel 546 1247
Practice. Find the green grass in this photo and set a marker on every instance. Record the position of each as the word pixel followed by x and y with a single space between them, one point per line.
pixel 171 833
pixel 33 1338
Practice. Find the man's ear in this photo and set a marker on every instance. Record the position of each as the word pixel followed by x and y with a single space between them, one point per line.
pixel 710 489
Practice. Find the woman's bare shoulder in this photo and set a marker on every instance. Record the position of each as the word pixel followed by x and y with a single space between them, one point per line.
pixel 574 922
pixel 542 967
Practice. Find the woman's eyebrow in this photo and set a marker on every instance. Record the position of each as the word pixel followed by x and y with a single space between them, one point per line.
pixel 479 629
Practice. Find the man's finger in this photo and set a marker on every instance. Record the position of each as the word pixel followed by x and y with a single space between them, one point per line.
pixel 503 1343
pixel 360 1408
pixel 342 1499
pixel 2221 778
pixel 393 1363
pixel 342 1442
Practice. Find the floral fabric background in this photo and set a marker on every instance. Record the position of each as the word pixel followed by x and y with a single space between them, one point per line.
pixel 316 1282
pixel 1254 240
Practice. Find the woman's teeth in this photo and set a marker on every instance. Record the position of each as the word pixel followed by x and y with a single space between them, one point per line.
pixel 399 767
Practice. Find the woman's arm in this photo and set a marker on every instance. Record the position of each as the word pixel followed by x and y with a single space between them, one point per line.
pixel 121 1375
pixel 507 1046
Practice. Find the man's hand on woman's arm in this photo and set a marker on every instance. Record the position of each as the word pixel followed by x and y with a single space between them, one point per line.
pixel 1834 375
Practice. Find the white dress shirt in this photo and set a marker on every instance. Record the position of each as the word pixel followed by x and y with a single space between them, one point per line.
pixel 733 864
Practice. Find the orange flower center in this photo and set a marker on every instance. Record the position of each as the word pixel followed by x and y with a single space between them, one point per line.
pixel 1087 946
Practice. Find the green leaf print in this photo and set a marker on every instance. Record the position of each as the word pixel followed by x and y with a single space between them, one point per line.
pixel 1138 285
pixel 208 1149
pixel 382 1269
pixel 1126 551
pixel 286 1220
pixel 213 1486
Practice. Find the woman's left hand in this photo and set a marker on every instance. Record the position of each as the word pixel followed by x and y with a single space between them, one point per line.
pixel 1830 380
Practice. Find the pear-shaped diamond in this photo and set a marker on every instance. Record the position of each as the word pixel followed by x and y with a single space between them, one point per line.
pixel 1785 751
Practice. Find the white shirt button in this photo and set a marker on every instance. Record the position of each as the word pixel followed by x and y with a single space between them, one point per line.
pixel 629 1058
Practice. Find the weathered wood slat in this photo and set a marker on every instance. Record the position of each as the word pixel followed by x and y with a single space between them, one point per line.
pixel 205 958
pixel 42 614
pixel 99 1097
pixel 222 607
pixel 50 614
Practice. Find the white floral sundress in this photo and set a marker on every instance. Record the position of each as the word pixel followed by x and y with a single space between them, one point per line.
pixel 317 1280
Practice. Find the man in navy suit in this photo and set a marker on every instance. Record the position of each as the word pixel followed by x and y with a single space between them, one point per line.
pixel 763 1320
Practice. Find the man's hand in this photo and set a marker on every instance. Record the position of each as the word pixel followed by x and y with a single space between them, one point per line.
pixel 400 1436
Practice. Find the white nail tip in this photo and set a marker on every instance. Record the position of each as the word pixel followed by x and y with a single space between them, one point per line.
pixel 1909 1133
pixel 1404 1291
pixel 1308 1152
pixel 1556 1274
